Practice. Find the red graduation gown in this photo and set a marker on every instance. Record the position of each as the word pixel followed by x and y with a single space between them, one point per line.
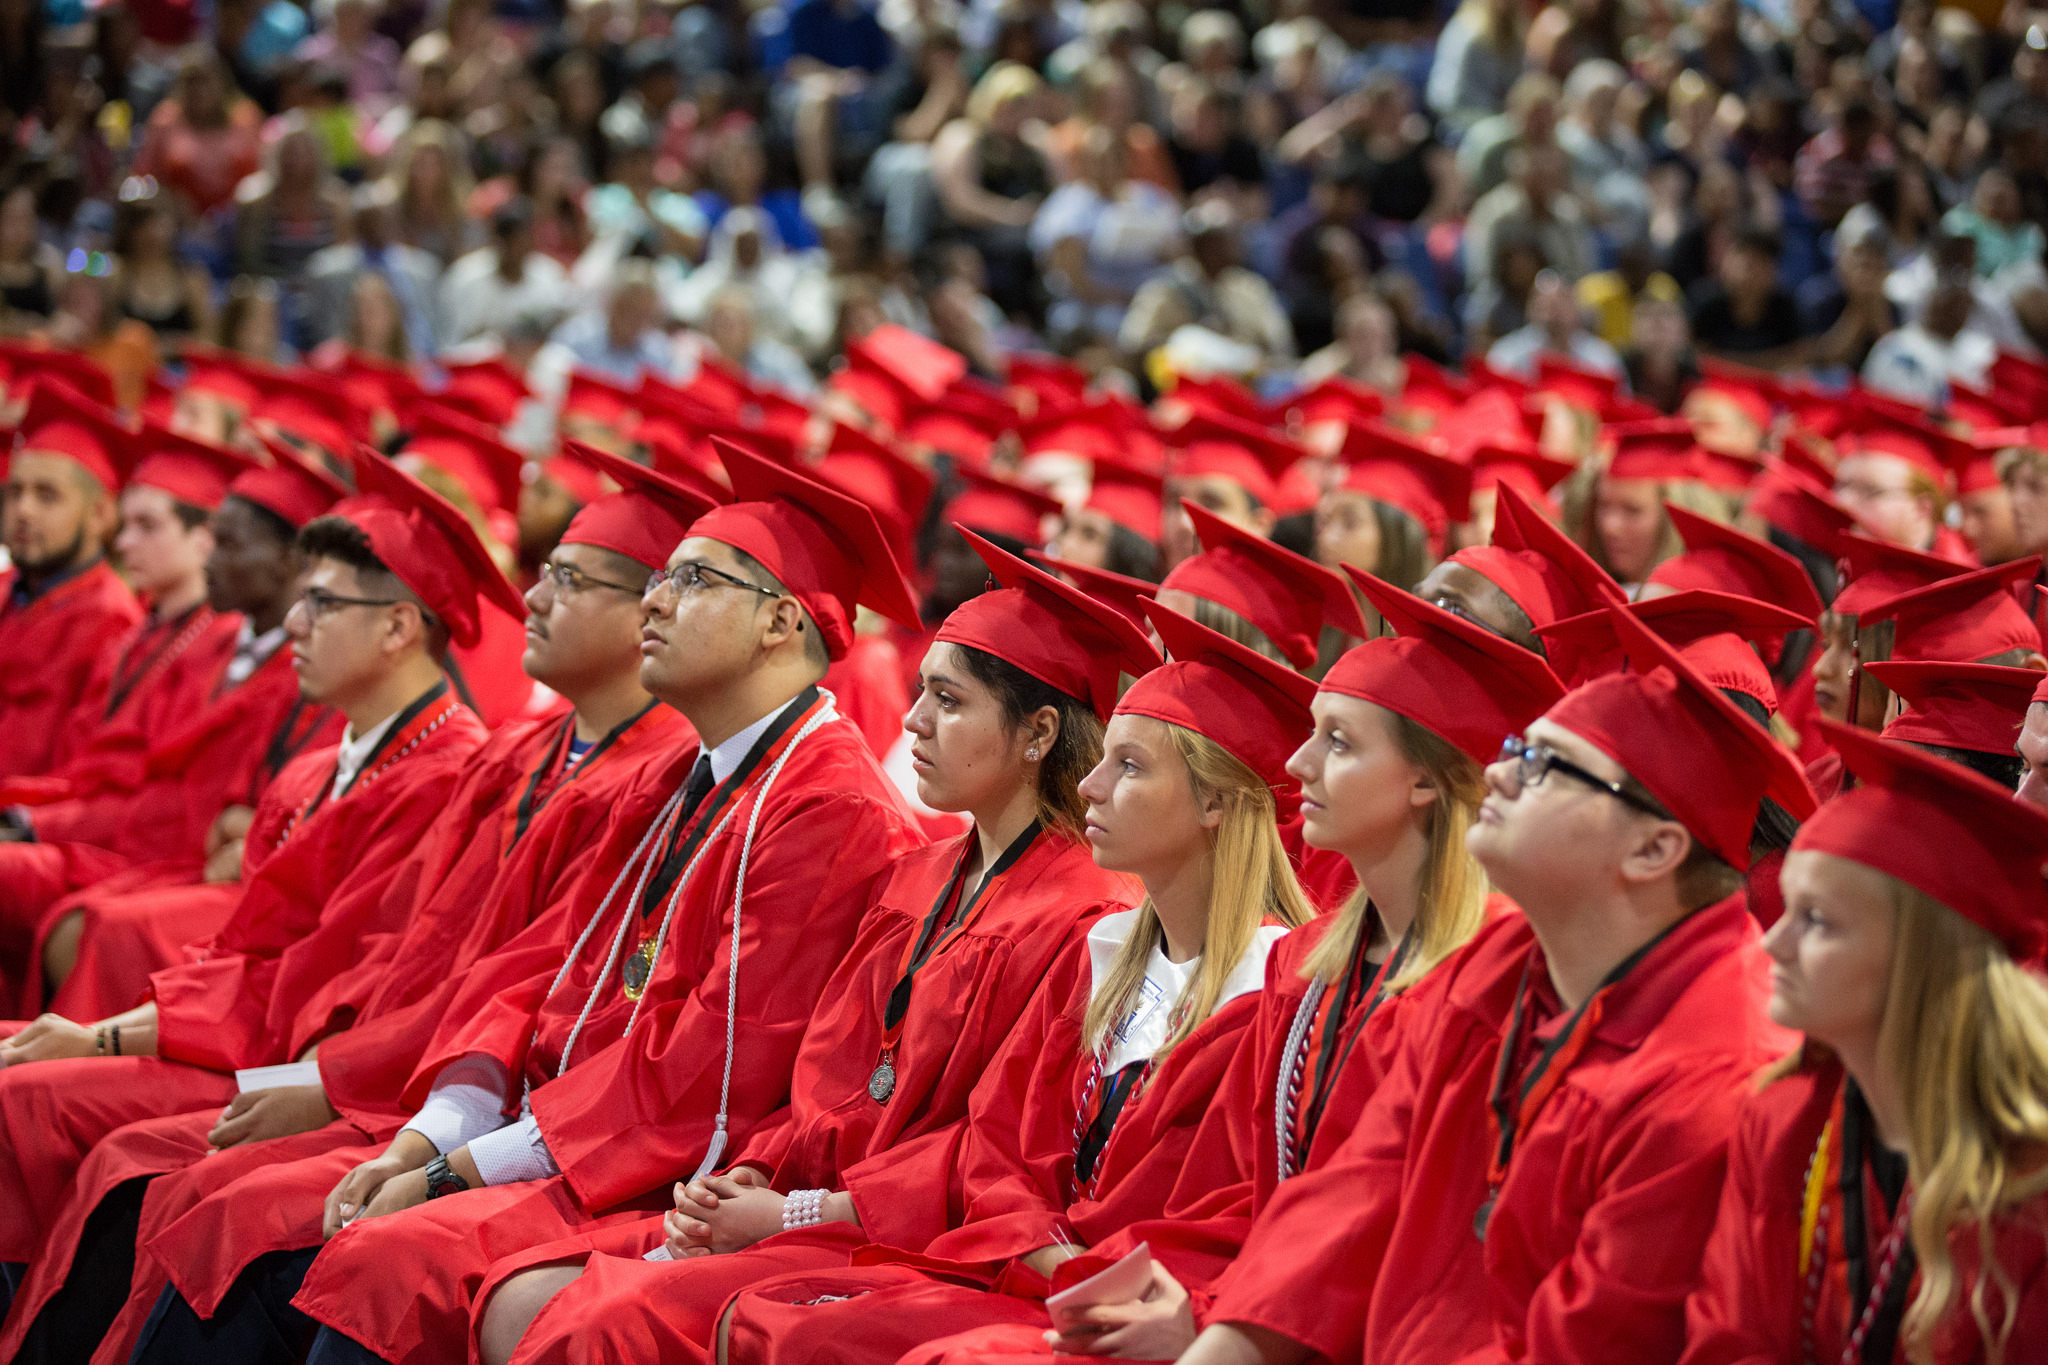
pixel 965 1000
pixel 476 881
pixel 121 839
pixel 233 1003
pixel 1015 1187
pixel 1595 1237
pixel 144 685
pixel 1751 1295
pixel 1205 1221
pixel 52 646
pixel 635 1112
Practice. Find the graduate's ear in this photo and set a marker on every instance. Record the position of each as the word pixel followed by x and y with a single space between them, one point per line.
pixel 1041 732
pixel 1656 849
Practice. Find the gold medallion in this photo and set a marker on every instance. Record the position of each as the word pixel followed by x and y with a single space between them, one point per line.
pixel 638 969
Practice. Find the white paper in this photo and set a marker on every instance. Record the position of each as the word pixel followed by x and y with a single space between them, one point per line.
pixel 1128 1279
pixel 274 1077
pixel 660 1253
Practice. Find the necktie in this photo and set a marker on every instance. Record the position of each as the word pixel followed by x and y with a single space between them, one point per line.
pixel 694 791
pixel 698 788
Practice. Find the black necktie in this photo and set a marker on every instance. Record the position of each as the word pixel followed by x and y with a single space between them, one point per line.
pixel 698 788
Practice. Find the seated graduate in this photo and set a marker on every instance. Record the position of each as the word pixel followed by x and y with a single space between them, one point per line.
pixel 1530 576
pixel 138 808
pixel 662 1023
pixel 1540 1165
pixel 1885 1189
pixel 504 844
pixel 60 600
pixel 391 575
pixel 1392 780
pixel 1015 689
pixel 1087 1119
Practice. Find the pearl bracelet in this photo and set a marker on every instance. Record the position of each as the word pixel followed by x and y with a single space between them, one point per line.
pixel 803 1209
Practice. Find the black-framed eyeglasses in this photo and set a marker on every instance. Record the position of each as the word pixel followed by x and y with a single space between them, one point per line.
pixel 318 602
pixel 568 578
pixel 691 577
pixel 1535 761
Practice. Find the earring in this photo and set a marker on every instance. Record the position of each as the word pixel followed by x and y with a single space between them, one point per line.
pixel 1032 753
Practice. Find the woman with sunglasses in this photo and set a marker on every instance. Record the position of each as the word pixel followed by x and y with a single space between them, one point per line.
pixel 1887 1191
pixel 1085 1125
pixel 1391 780
pixel 1014 691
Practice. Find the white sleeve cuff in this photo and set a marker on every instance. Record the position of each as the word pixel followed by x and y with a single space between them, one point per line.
pixel 467 1101
pixel 513 1153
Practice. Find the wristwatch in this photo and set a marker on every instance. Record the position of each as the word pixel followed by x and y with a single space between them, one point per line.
pixel 441 1179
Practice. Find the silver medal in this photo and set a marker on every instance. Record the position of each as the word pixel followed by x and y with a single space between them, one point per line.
pixel 882 1084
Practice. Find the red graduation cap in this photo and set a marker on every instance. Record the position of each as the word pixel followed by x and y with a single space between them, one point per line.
pixel 1254 457
pixel 896 487
pixel 995 505
pixel 1398 470
pixel 62 421
pixel 224 374
pixel 1979 707
pixel 1963 618
pixel 1660 451
pixel 1118 591
pixel 577 480
pixel 1538 566
pixel 469 452
pixel 1792 502
pixel 376 384
pixel 1711 631
pixel 825 547
pixel 1430 388
pixel 1335 399
pixel 1942 829
pixel 193 472
pixel 28 361
pixel 312 407
pixel 1133 498
pixel 489 390
pixel 159 399
pixel 1875 571
pixel 892 371
pixel 1880 429
pixel 958 427
pixel 1721 558
pixel 1752 391
pixel 1519 465
pixel 290 486
pixel 596 398
pixel 1984 409
pixel 1052 630
pixel 1456 679
pixel 1218 396
pixel 2021 376
pixel 645 520
pixel 1578 385
pixel 1704 760
pixel 1054 381
pixel 429 546
pixel 1257 710
pixel 1494 416
pixel 1096 431
pixel 1288 597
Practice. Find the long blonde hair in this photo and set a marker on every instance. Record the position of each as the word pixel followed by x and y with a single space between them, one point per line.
pixel 1966 1037
pixel 1251 881
pixel 1452 905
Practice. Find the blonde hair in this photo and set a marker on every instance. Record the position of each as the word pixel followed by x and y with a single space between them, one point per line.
pixel 1224 621
pixel 1452 905
pixel 1966 1038
pixel 1251 881
pixel 1001 83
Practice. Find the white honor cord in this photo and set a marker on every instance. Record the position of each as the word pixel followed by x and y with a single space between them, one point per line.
pixel 716 1147
pixel 1283 1088
pixel 660 823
